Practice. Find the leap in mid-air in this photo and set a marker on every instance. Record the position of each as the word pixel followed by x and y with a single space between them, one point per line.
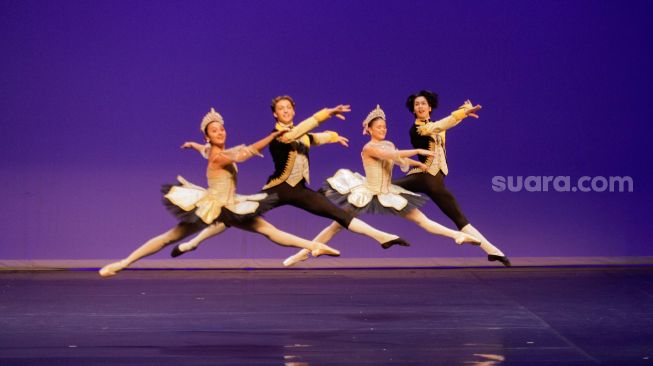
pixel 288 183
pixel 431 135
pixel 374 193
pixel 219 205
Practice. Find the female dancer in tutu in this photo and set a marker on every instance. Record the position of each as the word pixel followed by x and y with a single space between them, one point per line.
pixel 197 207
pixel 375 193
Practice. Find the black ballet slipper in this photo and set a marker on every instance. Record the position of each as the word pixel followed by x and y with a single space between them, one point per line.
pixel 503 259
pixel 176 252
pixel 398 241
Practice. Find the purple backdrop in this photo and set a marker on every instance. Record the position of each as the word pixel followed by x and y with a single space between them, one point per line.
pixel 98 96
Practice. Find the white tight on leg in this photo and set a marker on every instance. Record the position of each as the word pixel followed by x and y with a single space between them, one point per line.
pixel 485 244
pixel 159 242
pixel 328 233
pixel 286 239
pixel 268 230
pixel 323 237
pixel 360 227
pixel 429 225
pixel 433 227
pixel 208 232
pixel 150 247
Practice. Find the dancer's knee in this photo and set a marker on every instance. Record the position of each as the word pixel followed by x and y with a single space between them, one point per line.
pixel 344 219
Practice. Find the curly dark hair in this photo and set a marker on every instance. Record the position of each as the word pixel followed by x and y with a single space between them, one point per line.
pixel 431 99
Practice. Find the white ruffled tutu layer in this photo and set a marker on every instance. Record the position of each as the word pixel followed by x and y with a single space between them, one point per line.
pixel 194 204
pixel 351 190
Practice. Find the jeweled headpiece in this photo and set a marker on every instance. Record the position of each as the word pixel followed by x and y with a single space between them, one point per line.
pixel 212 116
pixel 374 114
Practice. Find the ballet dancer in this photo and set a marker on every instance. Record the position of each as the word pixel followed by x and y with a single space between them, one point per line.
pixel 219 205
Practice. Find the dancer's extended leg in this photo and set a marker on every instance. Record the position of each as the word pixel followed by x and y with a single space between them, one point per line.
pixel 493 253
pixel 263 227
pixel 433 227
pixel 323 237
pixel 150 247
pixel 315 203
pixel 210 231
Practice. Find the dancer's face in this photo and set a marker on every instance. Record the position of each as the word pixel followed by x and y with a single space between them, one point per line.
pixel 377 129
pixel 216 133
pixel 421 108
pixel 284 112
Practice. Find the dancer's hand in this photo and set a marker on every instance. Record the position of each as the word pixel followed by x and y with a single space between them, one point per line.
pixel 342 140
pixel 339 110
pixel 280 132
pixel 192 145
pixel 425 152
pixel 470 109
pixel 422 166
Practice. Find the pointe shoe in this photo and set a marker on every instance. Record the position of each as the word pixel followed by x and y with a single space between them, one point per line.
pixel 501 258
pixel 324 249
pixel 300 256
pixel 112 269
pixel 466 238
pixel 398 241
pixel 176 251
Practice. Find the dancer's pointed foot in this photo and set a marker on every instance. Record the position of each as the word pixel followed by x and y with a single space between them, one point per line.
pixel 501 258
pixel 181 249
pixel 300 256
pixel 397 241
pixel 323 249
pixel 466 238
pixel 112 269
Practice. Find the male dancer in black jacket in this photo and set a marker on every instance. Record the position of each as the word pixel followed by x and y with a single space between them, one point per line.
pixel 426 134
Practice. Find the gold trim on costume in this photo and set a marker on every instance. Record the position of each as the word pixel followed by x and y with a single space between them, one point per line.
pixel 285 173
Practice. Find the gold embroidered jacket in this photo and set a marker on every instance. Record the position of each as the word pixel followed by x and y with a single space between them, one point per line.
pixel 298 140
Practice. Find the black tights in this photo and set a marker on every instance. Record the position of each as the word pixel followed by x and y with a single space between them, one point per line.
pixel 433 186
pixel 307 199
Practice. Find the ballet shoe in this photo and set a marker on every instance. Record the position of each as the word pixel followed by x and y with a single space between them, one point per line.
pixel 466 238
pixel 324 249
pixel 111 269
pixel 176 251
pixel 300 256
pixel 397 241
pixel 501 258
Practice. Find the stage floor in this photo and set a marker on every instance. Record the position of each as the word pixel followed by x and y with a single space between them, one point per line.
pixel 472 316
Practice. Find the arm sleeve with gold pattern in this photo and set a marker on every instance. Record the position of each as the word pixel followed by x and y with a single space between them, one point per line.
pixel 326 137
pixel 444 124
pixel 307 125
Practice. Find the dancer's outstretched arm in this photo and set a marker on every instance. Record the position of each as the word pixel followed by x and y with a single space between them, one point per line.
pixel 314 121
pixel 239 153
pixel 219 159
pixel 387 154
pixel 464 111
pixel 264 142
pixel 415 163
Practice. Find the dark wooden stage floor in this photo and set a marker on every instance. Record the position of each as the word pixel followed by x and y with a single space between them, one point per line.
pixel 482 316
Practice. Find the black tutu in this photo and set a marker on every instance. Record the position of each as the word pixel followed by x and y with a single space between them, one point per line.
pixel 374 207
pixel 227 217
